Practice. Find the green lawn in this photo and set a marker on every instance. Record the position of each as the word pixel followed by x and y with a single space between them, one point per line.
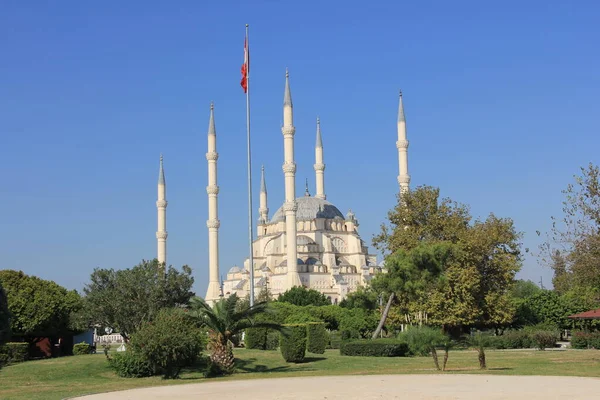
pixel 71 376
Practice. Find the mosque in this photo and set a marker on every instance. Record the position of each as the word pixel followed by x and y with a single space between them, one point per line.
pixel 307 242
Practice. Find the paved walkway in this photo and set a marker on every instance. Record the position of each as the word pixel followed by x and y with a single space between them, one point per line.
pixel 413 387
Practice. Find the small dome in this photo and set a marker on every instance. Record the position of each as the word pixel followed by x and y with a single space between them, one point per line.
pixel 284 263
pixel 312 261
pixel 310 208
pixel 234 270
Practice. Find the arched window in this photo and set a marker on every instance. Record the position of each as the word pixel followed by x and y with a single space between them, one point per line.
pixel 339 246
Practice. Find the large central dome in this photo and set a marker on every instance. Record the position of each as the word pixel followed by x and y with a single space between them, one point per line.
pixel 310 208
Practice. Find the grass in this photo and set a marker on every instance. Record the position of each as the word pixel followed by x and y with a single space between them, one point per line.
pixel 71 376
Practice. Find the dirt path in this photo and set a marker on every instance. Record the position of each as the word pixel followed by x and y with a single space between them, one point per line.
pixel 413 387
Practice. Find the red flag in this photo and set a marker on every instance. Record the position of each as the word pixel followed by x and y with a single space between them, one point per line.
pixel 245 67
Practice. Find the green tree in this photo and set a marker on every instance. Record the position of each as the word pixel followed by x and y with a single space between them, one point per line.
pixel 4 317
pixel 125 299
pixel 170 342
pixel 411 275
pixel 523 289
pixel 224 321
pixel 572 248
pixel 549 308
pixel 301 296
pixel 38 307
pixel 480 263
pixel 363 298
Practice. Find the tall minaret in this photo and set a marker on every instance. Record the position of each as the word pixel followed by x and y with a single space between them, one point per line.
pixel 161 205
pixel 263 209
pixel 289 170
pixel 319 165
pixel 402 145
pixel 213 222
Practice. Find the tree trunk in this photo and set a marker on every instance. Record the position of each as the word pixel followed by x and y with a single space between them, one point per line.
pixel 482 364
pixel 446 355
pixel 435 358
pixel 222 356
pixel 383 316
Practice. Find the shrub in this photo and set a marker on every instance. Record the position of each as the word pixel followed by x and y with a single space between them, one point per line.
pixel 170 342
pixel 374 348
pixel 585 340
pixel 131 365
pixel 293 343
pixel 421 340
pixel 255 338
pixel 579 340
pixel 335 340
pixel 516 340
pixel 12 353
pixel 81 348
pixel 545 339
pixel 316 337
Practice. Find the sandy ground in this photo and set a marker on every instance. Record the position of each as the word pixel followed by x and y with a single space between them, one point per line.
pixel 413 387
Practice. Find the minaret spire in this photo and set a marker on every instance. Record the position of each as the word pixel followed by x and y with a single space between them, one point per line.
pixel 161 206
pixel 263 209
pixel 289 170
pixel 319 164
pixel 402 145
pixel 213 223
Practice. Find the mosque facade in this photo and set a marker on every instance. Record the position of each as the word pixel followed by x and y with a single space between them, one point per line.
pixel 307 242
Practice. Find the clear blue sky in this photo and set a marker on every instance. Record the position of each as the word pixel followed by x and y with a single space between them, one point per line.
pixel 501 102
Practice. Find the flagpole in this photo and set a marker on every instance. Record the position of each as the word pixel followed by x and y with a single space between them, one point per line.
pixel 250 219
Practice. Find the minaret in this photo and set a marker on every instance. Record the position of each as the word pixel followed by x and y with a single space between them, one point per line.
pixel 263 209
pixel 402 145
pixel 319 165
pixel 289 170
pixel 161 206
pixel 213 292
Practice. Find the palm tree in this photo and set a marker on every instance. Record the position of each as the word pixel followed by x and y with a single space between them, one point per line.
pixel 223 321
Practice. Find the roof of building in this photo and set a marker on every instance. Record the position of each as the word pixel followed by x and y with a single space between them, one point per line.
pixel 592 314
pixel 310 208
pixel 234 270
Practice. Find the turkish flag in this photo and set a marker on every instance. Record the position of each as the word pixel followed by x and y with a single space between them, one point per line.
pixel 245 67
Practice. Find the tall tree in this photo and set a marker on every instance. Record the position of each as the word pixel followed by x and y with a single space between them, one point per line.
pixel 481 262
pixel 38 307
pixel 572 248
pixel 125 299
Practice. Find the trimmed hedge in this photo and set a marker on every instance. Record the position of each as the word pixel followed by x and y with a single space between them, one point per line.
pixel 292 343
pixel 131 365
pixel 316 337
pixel 374 348
pixel 81 349
pixel 272 340
pixel 524 339
pixel 12 353
pixel 585 340
pixel 255 338
pixel 261 339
